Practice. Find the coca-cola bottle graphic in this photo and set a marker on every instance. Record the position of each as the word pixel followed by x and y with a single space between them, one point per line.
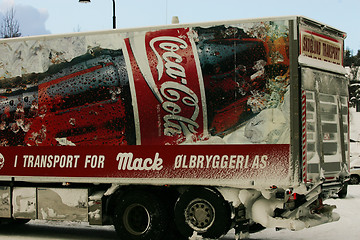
pixel 84 102
pixel 87 102
pixel 233 68
pixel 221 69
pixel 164 87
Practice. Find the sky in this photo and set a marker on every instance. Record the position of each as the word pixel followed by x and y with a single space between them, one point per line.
pixel 37 17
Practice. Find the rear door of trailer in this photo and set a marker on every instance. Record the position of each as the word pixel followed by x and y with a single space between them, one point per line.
pixel 324 103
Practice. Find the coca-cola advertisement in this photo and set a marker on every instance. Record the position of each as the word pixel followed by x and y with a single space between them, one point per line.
pixel 166 77
pixel 217 84
pixel 224 84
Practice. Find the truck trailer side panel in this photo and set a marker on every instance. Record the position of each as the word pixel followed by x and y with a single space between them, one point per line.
pixel 224 89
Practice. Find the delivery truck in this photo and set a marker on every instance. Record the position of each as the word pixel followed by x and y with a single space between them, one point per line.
pixel 170 131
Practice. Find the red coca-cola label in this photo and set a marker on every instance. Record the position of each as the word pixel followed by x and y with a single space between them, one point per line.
pixel 168 89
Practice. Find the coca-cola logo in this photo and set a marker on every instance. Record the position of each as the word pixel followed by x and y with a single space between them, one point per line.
pixel 173 91
pixel 172 60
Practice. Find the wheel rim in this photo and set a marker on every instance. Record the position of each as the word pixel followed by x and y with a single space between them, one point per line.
pixel 136 219
pixel 200 215
pixel 354 180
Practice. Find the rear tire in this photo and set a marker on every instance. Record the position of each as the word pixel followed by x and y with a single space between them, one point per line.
pixel 140 215
pixel 12 221
pixel 202 210
pixel 343 191
pixel 354 179
pixel 20 221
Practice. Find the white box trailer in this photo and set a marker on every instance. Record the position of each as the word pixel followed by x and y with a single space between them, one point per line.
pixel 176 129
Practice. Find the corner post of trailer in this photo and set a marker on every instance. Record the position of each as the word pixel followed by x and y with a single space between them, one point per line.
pixel 295 103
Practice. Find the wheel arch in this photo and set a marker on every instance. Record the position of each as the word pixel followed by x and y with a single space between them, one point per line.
pixel 169 192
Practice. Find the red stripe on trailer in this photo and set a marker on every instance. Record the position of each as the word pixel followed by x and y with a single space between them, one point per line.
pixel 304 145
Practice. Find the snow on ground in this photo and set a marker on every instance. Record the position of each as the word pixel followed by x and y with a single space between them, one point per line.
pixel 354 125
pixel 346 228
pixel 354 133
pixel 354 136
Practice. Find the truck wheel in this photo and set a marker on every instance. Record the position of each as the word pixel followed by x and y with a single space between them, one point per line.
pixel 21 221
pixel 343 191
pixel 17 221
pixel 354 179
pixel 202 210
pixel 140 215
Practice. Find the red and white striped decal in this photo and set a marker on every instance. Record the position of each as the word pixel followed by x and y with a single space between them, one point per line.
pixel 304 151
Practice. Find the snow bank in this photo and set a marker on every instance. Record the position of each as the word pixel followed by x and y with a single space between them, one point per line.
pixel 354 125
pixel 355 136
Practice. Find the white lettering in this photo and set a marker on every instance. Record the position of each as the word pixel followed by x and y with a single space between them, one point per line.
pixel 208 160
pixel 37 161
pixel 232 161
pixel 246 161
pixel 256 162
pixel 224 161
pixel 168 58
pixel 49 161
pixel 220 161
pixel 87 160
pixel 173 123
pixel 178 160
pixel 192 163
pixel 126 162
pixel 94 161
pixel 215 163
pixel 170 45
pixel 239 161
pixel 200 162
pixel 263 163
pixel 25 160
pixel 56 160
